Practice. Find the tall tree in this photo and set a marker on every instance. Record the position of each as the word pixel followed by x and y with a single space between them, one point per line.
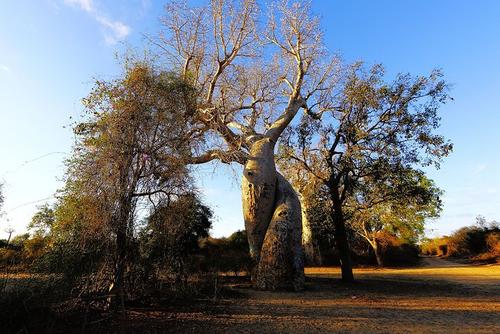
pixel 252 79
pixel 130 150
pixel 368 129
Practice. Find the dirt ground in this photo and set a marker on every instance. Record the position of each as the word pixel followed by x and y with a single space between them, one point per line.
pixel 440 297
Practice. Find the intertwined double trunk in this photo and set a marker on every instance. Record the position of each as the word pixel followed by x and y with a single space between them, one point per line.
pixel 272 216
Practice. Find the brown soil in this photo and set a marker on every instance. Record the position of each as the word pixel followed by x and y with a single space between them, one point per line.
pixel 438 298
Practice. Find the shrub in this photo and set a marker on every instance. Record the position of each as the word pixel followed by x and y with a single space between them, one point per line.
pixel 436 246
pixel 467 241
pixel 226 254
pixel 396 252
pixel 477 242
pixel 26 303
pixel 9 256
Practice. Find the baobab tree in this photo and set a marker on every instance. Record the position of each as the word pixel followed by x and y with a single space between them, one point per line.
pixel 252 79
pixel 308 189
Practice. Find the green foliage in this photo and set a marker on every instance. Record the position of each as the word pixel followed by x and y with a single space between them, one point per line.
pixel 399 203
pixel 171 236
pixel 42 221
pixel 130 151
pixel 229 254
pixel 436 246
pixel 365 145
pixel 396 251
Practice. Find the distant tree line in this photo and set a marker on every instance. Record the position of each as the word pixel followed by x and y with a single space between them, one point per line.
pixel 479 242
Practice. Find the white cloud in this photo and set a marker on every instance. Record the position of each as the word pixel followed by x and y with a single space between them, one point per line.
pixel 115 31
pixel 86 5
pixel 4 68
pixel 118 30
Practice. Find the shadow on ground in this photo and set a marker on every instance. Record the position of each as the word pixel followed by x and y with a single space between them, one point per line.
pixel 377 303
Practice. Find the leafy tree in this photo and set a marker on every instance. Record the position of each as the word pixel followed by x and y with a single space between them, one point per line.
pixel 368 130
pixel 42 221
pixel 172 233
pixel 130 152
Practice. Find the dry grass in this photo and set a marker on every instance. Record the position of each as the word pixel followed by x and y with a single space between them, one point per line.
pixel 458 273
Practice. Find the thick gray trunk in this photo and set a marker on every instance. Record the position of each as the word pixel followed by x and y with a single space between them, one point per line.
pixel 272 215
pixel 311 249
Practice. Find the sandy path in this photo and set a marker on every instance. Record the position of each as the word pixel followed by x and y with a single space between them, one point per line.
pixel 438 262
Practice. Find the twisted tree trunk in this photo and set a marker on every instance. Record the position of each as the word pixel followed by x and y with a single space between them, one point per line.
pixel 273 223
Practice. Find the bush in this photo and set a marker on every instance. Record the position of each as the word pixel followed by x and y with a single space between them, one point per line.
pixel 9 256
pixel 435 247
pixel 401 255
pixel 170 240
pixel 26 302
pixel 34 248
pixel 477 242
pixel 396 252
pixel 493 243
pixel 226 254
pixel 467 241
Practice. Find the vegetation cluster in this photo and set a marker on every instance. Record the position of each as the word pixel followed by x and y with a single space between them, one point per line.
pixel 478 243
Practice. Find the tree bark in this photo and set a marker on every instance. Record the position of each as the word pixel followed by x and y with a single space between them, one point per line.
pixel 378 254
pixel 117 288
pixel 341 242
pixel 312 254
pixel 273 223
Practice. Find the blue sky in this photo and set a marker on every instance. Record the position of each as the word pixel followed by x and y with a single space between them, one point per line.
pixel 50 50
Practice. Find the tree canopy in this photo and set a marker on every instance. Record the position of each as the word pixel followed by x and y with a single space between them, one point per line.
pixel 369 137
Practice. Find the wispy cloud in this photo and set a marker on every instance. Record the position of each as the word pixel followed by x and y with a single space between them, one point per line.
pixel 115 31
pixel 4 68
pixel 480 168
pixel 86 5
pixel 118 30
